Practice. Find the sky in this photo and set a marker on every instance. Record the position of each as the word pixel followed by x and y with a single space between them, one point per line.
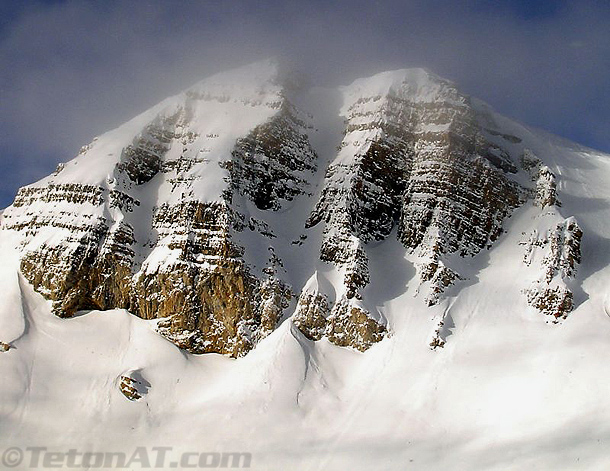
pixel 71 70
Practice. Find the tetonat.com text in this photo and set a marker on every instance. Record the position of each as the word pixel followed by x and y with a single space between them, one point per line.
pixel 159 457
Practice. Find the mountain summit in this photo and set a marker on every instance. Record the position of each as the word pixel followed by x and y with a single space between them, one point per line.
pixel 175 215
pixel 395 216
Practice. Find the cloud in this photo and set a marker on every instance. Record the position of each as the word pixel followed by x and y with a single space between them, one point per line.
pixel 71 70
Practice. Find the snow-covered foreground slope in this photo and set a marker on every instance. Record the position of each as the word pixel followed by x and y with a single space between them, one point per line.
pixel 467 375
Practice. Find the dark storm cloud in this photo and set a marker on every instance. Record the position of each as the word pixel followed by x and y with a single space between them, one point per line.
pixel 71 70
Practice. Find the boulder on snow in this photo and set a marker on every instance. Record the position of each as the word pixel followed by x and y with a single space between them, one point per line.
pixel 133 385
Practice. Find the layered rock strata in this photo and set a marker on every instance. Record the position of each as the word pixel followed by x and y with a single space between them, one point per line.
pixel 413 158
pixel 168 215
pixel 556 255
pixel 83 246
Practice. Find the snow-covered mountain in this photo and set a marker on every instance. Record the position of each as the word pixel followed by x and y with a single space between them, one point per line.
pixel 384 275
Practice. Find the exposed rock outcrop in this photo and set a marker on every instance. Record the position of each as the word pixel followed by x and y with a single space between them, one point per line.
pixel 133 386
pixel 557 254
pixel 311 314
pixel 436 277
pixel 442 331
pixel 346 324
pixel 201 284
pixel 81 249
pixel 545 190
pixel 418 161
pixel 170 215
pixel 143 159
pixel 350 325
pixel 271 163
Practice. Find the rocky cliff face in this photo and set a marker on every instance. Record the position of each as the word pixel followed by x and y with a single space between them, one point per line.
pixel 168 215
pixel 556 255
pixel 273 161
pixel 414 158
pixel 80 248
pixel 554 249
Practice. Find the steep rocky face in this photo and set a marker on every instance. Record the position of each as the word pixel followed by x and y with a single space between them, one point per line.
pixel 170 216
pixel 457 201
pixel 545 190
pixel 84 246
pixel 350 325
pixel 556 255
pixel 59 268
pixel 345 325
pixel 203 287
pixel 203 283
pixel 271 163
pixel 552 251
pixel 194 278
pixel 311 314
pixel 414 158
pixel 436 275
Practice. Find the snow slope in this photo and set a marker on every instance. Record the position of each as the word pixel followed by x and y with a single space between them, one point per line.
pixel 510 389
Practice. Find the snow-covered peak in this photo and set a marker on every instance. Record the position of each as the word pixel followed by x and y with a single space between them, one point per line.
pixel 415 85
pixel 199 125
pixel 402 225
pixel 254 81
